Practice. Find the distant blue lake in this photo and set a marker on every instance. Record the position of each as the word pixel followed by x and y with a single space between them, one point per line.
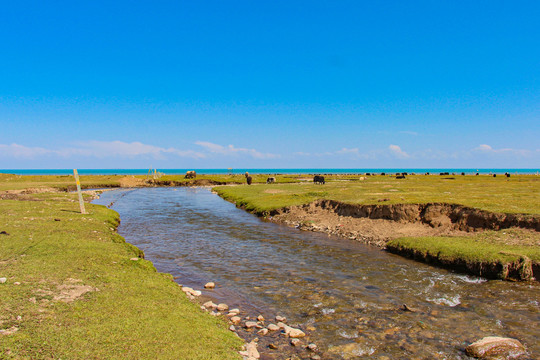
pixel 260 171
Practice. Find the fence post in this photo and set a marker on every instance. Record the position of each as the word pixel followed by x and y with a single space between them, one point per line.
pixel 81 202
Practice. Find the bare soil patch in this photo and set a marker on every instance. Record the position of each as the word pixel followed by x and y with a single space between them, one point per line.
pixel 273 191
pixel 378 224
pixel 378 232
pixel 131 181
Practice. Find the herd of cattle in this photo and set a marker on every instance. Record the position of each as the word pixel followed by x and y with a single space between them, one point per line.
pixel 319 179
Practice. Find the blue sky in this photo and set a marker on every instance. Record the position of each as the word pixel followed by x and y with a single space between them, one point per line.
pixel 280 84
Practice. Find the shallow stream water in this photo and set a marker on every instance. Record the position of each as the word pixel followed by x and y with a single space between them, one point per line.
pixel 347 296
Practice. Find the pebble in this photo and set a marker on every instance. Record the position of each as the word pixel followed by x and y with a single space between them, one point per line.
pixel 315 357
pixel 209 285
pixel 272 346
pixel 263 331
pixel 260 318
pixel 236 320
pixel 273 327
pixel 295 342
pixel 291 332
pixel 251 324
pixel 233 312
pixel 493 346
pixel 2 280
pixel 190 291
pixel 232 328
pixel 223 307
pixel 296 333
pixel 16 283
pixel 312 347
pixel 209 305
pixel 281 318
pixel 252 351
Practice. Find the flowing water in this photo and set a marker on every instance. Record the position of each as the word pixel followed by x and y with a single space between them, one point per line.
pixel 347 296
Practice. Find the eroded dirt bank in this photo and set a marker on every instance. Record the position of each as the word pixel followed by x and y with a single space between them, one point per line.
pixel 378 224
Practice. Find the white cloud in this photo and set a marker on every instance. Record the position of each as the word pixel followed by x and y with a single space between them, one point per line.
pixel 484 148
pixel 21 151
pixel 400 154
pixel 231 150
pixel 348 151
pixel 99 149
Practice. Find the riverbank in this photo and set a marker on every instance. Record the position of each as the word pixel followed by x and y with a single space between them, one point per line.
pixel 71 287
pixel 409 218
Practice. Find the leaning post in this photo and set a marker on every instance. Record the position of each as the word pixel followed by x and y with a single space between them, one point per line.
pixel 81 202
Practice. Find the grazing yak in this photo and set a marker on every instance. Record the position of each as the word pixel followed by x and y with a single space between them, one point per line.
pixel 271 180
pixel 318 179
pixel 249 179
pixel 507 174
pixel 191 175
pixel 400 176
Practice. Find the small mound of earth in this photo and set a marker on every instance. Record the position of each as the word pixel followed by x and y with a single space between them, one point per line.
pixel 131 181
pixel 72 290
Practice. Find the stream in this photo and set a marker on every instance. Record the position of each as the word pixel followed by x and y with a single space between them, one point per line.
pixel 347 296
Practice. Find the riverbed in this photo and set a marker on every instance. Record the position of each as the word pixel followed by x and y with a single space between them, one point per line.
pixel 353 300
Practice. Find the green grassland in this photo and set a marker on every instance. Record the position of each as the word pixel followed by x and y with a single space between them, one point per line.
pixel 517 194
pixel 131 312
pixel 58 182
pixel 488 246
pixel 67 182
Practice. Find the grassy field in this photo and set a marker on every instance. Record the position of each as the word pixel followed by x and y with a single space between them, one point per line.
pixel 517 194
pixel 67 182
pixel 509 246
pixel 59 182
pixel 73 292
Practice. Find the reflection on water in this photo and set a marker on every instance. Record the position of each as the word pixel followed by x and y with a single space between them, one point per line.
pixel 351 294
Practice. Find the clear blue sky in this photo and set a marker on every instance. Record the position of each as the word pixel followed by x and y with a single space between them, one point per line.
pixel 217 84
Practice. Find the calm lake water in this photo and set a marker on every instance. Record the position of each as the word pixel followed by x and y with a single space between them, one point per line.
pixel 349 293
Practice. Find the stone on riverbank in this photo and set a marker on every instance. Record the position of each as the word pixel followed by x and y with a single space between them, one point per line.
pixel 223 307
pixel 209 285
pixel 273 327
pixel 236 320
pixel 494 347
pixel 209 305
pixel 251 351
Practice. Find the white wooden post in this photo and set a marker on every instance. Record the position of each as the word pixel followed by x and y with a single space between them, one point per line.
pixel 81 202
